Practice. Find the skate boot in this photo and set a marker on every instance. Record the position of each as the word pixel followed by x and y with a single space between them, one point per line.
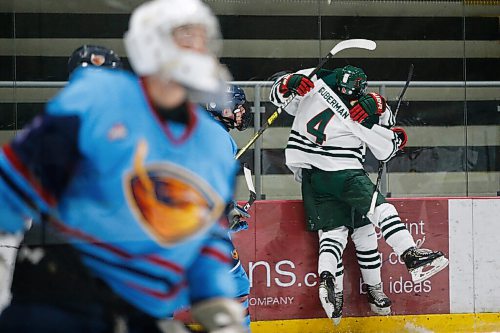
pixel 423 263
pixel 379 302
pixel 332 302
pixel 339 305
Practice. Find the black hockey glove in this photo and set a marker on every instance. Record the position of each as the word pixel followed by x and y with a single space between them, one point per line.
pixel 235 215
pixel 239 226
pixel 368 109
pixel 295 83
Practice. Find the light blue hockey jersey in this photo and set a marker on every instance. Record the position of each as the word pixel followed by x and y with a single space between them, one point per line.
pixel 138 197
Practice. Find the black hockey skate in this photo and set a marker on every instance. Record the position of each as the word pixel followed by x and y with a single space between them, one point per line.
pixel 423 263
pixel 379 302
pixel 339 305
pixel 332 302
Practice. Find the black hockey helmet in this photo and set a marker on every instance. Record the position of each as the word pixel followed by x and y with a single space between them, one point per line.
pixel 93 55
pixel 352 82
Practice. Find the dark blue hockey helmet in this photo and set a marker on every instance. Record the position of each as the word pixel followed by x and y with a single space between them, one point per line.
pixel 93 55
pixel 235 97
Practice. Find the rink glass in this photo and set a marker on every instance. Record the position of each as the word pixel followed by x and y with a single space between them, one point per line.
pixel 450 110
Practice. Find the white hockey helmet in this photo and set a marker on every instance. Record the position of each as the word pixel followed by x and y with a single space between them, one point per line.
pixel 152 49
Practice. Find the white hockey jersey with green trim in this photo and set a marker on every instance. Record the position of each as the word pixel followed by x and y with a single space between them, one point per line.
pixel 324 136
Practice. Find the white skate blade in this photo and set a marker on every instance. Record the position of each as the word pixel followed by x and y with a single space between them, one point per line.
pixel 418 275
pixel 380 311
pixel 336 321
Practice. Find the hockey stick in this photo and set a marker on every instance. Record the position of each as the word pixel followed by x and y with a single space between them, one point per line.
pixel 346 44
pixel 381 164
pixel 253 195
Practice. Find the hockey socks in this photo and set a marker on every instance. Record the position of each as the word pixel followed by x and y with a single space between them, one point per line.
pixel 393 230
pixel 331 248
pixel 365 241
pixel 421 263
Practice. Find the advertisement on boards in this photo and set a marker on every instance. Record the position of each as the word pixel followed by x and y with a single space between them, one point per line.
pixel 281 257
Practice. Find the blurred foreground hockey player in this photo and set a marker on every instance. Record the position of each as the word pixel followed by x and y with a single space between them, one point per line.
pixel 126 190
pixel 83 56
pixel 326 154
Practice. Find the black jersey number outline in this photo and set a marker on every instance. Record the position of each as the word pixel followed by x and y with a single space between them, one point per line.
pixel 316 126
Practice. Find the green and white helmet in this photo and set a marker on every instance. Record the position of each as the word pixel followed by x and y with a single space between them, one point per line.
pixel 351 82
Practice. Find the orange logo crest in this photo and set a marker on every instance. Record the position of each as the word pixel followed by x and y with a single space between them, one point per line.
pixel 171 203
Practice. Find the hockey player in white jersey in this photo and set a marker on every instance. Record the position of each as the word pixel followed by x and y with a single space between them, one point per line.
pixel 365 240
pixel 335 121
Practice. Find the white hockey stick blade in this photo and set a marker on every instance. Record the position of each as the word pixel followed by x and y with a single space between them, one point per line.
pixel 251 188
pixel 354 43
pixel 372 204
pixel 423 273
pixel 248 179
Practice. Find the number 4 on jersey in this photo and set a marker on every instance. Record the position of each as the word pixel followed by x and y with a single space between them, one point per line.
pixel 316 126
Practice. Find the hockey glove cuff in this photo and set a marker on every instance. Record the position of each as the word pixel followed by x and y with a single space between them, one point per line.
pixel 295 83
pixel 401 135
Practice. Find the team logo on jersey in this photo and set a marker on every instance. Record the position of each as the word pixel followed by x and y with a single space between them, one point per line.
pixel 234 254
pixel 117 132
pixel 170 202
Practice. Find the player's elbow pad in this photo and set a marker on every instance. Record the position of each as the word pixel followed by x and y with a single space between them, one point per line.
pixel 385 145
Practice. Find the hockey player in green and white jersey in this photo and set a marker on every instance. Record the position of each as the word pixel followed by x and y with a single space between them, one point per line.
pixel 335 121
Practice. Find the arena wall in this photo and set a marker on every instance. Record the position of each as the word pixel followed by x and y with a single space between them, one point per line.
pixel 281 257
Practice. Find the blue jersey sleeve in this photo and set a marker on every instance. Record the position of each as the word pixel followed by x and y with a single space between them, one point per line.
pixel 234 146
pixel 209 276
pixel 49 151
pixel 37 165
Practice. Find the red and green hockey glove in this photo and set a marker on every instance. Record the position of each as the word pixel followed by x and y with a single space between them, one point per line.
pixel 295 83
pixel 368 109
